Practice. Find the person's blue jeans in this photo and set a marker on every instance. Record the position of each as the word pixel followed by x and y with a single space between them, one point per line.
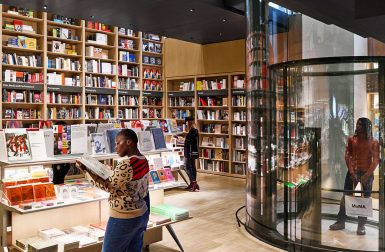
pixel 125 235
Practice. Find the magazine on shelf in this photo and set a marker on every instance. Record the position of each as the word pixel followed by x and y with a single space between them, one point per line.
pixel 94 166
pixel 37 143
pixel 146 141
pixel 98 144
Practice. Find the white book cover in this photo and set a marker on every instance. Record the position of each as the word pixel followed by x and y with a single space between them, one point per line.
pixel 3 147
pixel 98 143
pixel 146 141
pixel 79 139
pixel 49 140
pixel 94 166
pixel 37 143
pixel 18 148
pixel 50 232
pixel 158 163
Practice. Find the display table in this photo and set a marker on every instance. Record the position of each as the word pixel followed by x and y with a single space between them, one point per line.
pixel 18 223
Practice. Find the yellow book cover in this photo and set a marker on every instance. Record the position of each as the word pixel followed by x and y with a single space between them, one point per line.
pixel 218 154
pixel 30 43
pixel 199 85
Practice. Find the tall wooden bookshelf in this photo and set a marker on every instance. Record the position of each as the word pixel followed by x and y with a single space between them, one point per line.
pixel 217 138
pixel 84 73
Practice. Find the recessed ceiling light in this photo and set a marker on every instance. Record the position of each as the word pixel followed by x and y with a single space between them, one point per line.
pixel 92 16
pixel 192 10
pixel 131 25
pixel 224 20
pixel 220 34
pixel 45 7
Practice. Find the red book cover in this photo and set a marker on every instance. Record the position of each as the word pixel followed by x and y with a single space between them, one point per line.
pixel 203 101
pixel 8 183
pixel 27 193
pixel 44 179
pixel 38 192
pixel 14 195
pixel 101 225
pixel 22 181
pixel 49 191
pixel 162 175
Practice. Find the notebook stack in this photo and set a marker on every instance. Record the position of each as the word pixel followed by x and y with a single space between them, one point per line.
pixel 175 213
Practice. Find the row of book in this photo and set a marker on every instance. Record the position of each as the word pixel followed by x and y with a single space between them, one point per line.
pixel 95 52
pixel 61 79
pixel 213 114
pixel 151 113
pixel 149 73
pixel 181 101
pixel 128 84
pixel 219 142
pixel 128 32
pixel 20 76
pixel 93 99
pixel 152 85
pixel 94 66
pixel 128 113
pixel 151 60
pixel 213 101
pixel 181 113
pixel 239 100
pixel 64 113
pixel 64 33
pixel 127 57
pixel 64 64
pixel 22 42
pixel 215 128
pixel 19 25
pixel 151 47
pixel 100 82
pixel 240 143
pixel 152 101
pixel 98 38
pixel 22 96
pixel 219 154
pixel 238 82
pixel 212 84
pixel 239 156
pixel 128 100
pixel 239 129
pixel 239 115
pixel 211 165
pixel 240 169
pixel 21 114
pixel 59 98
pixel 129 71
pixel 22 60
pixel 98 113
pixel 63 48
pixel 127 44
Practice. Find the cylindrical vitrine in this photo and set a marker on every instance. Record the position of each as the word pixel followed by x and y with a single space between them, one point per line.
pixel 299 125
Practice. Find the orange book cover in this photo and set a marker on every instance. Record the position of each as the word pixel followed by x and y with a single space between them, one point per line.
pixel 38 192
pixel 27 193
pixel 101 225
pixel 162 175
pixel 14 195
pixel 22 181
pixel 49 191
pixel 7 183
pixel 33 180
pixel 44 179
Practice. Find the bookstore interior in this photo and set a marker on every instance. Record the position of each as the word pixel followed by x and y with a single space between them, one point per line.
pixel 272 115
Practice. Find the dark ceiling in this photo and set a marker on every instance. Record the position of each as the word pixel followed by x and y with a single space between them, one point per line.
pixel 205 24
pixel 210 21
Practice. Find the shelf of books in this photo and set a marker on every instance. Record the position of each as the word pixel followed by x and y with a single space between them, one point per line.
pixel 76 71
pixel 180 100
pixel 213 112
pixel 152 77
pixel 22 67
pixel 238 124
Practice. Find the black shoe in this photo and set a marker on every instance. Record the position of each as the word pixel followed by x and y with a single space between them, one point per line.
pixel 361 230
pixel 337 226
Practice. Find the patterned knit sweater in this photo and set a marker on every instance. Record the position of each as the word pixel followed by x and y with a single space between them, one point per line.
pixel 128 185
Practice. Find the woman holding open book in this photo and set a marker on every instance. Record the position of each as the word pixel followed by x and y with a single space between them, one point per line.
pixel 191 153
pixel 129 196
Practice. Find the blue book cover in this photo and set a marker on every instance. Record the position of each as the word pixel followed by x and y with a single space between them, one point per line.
pixel 111 135
pixel 157 134
pixel 155 177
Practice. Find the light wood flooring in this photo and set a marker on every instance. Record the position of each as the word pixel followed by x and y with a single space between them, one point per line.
pixel 213 227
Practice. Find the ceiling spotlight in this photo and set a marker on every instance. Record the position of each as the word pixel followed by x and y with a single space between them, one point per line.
pixel 92 16
pixel 220 34
pixel 131 25
pixel 224 20
pixel 192 10
pixel 45 7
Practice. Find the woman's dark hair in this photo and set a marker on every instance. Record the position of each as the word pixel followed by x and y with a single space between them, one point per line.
pixel 129 134
pixel 366 127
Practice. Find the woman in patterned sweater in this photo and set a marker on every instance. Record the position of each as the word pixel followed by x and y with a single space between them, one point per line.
pixel 129 198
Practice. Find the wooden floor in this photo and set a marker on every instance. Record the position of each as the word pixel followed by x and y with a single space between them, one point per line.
pixel 213 227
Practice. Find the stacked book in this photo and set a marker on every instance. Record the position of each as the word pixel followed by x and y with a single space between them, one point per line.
pixel 175 213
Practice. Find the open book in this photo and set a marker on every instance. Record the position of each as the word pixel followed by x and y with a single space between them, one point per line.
pixel 94 166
